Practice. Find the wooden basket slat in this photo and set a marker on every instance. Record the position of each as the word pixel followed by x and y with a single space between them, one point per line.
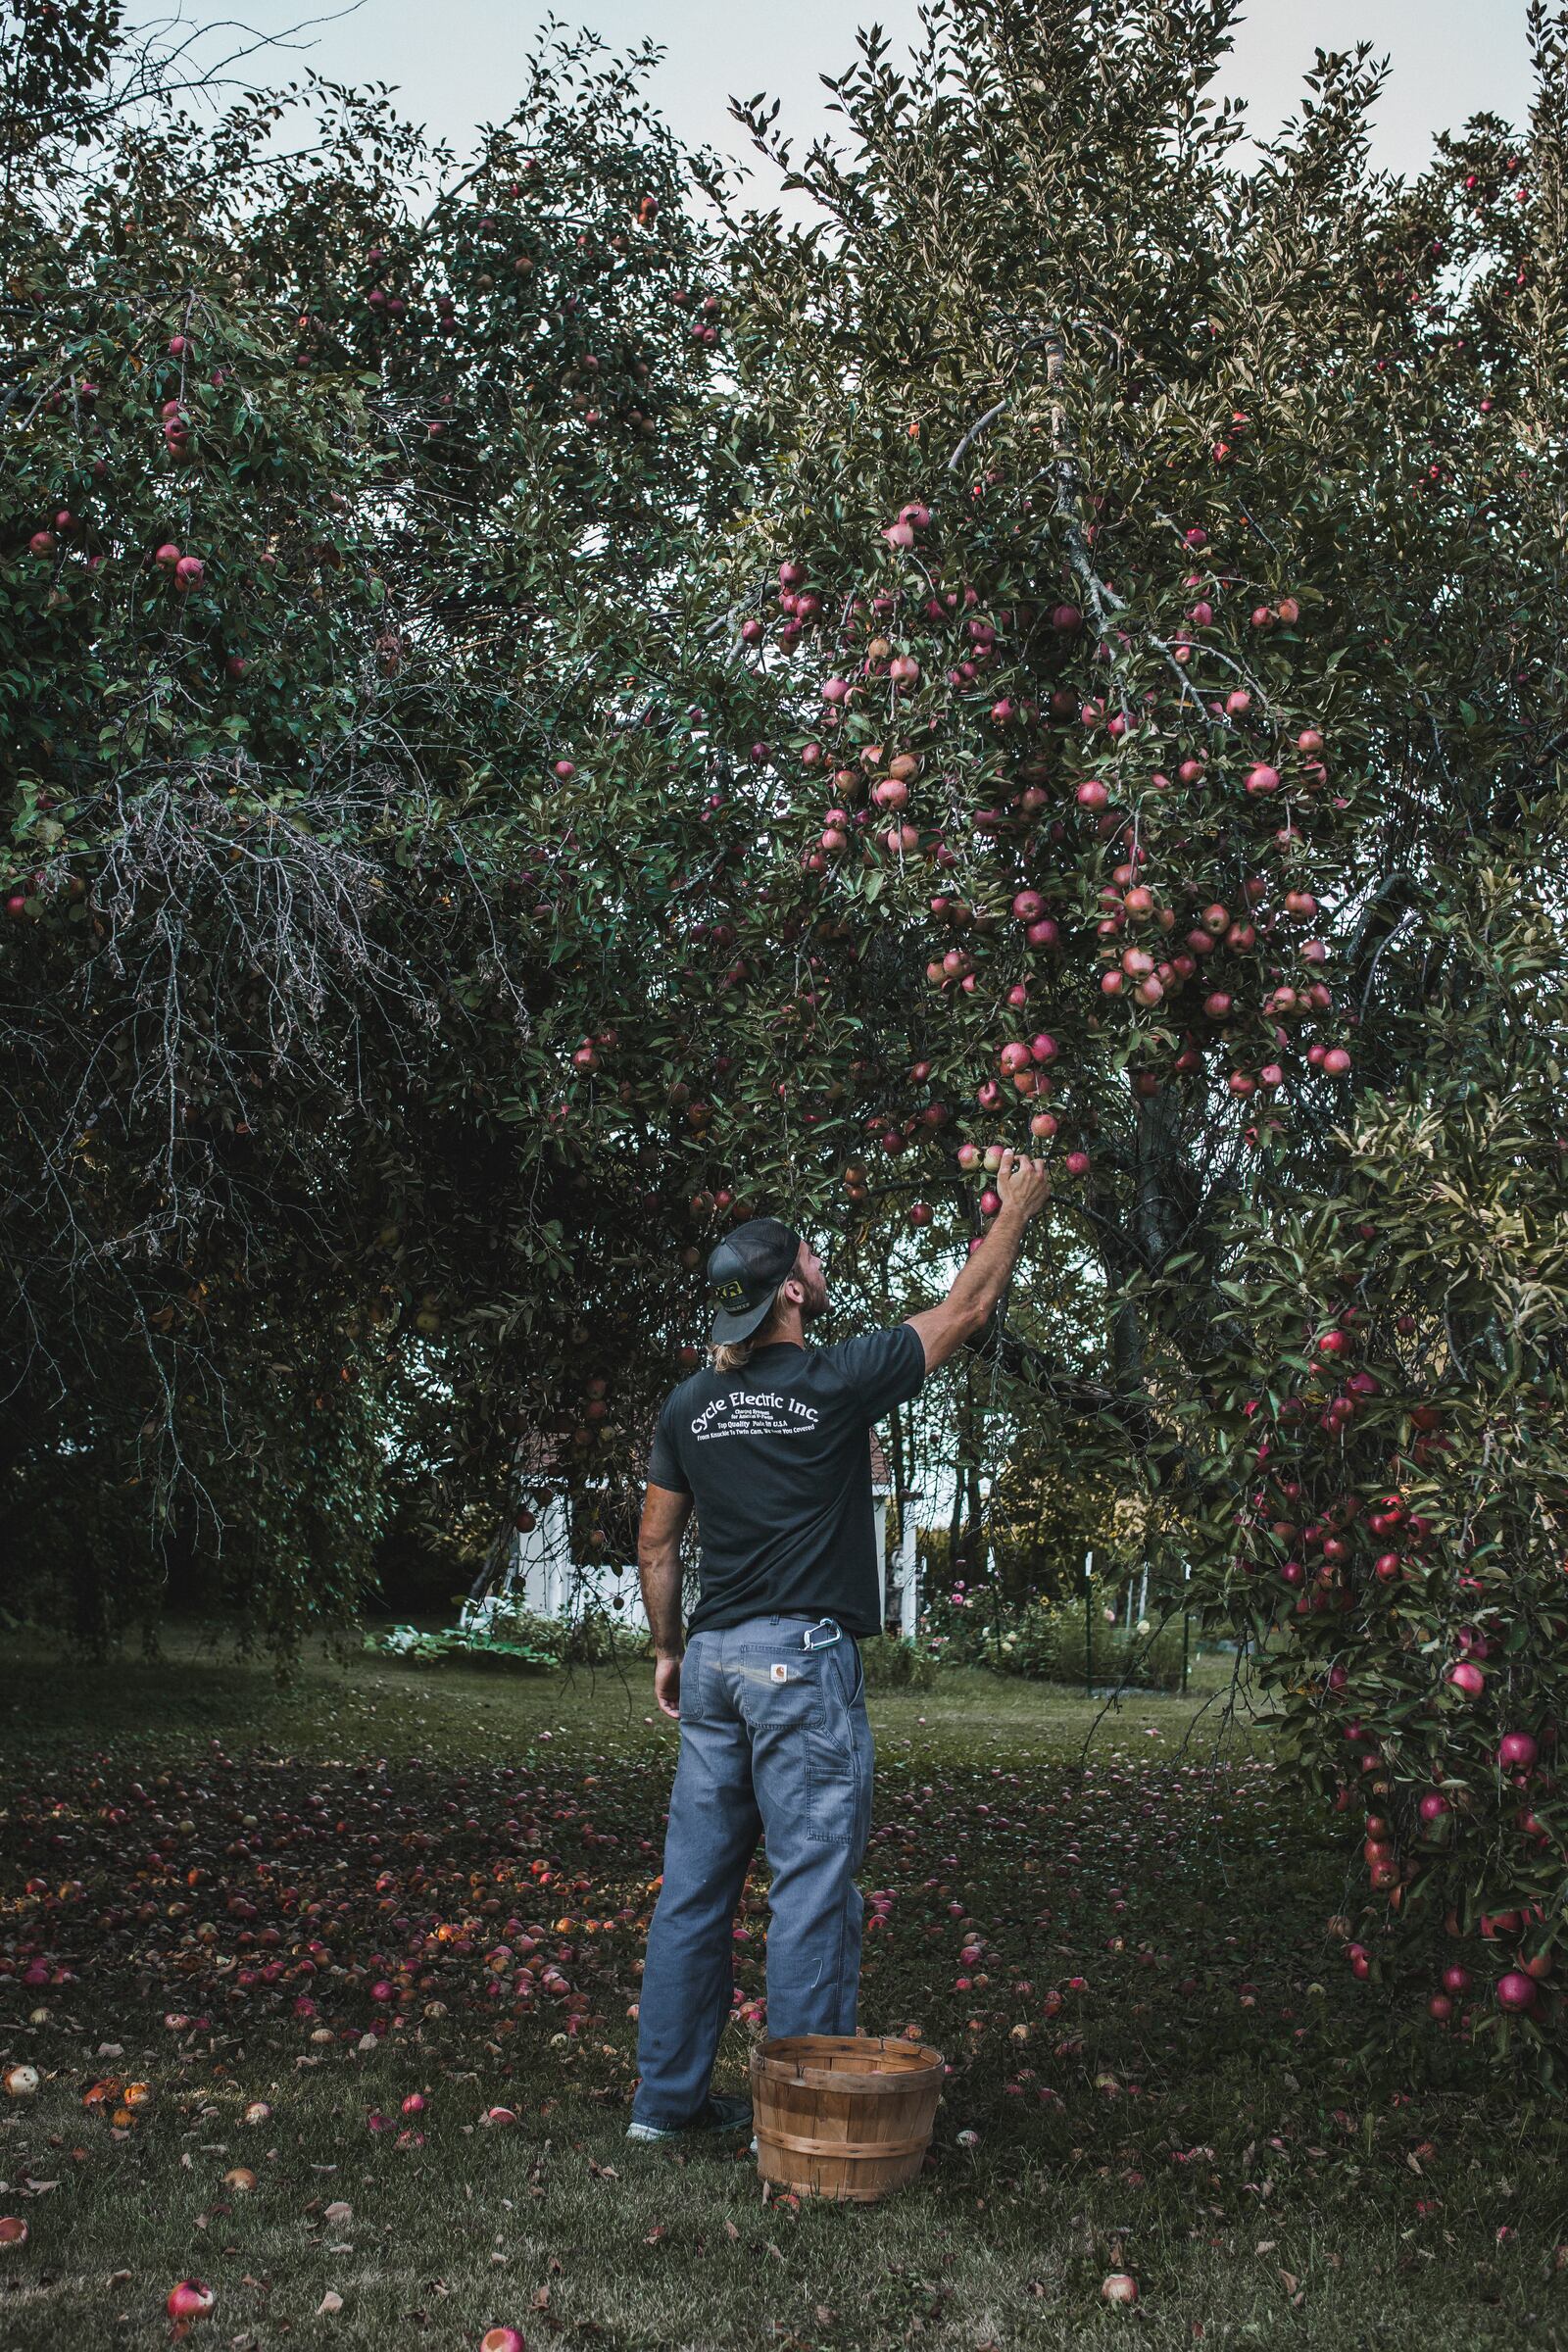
pixel 803 2146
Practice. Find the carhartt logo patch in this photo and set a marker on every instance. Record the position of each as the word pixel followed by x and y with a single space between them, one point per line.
pixel 780 1672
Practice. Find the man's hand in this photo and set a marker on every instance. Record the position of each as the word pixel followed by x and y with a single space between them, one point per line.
pixel 1022 1184
pixel 667 1688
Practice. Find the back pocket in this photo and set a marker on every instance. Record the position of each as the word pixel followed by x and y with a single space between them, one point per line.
pixel 781 1686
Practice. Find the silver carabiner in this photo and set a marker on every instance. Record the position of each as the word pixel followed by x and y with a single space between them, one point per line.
pixel 837 1635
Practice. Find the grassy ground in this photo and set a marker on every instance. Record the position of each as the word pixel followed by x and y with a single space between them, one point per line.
pixel 1123 1963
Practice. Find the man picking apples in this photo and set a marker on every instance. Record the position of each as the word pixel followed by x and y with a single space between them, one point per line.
pixel 770 1446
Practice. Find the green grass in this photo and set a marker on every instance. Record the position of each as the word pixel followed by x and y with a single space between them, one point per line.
pixel 1155 2051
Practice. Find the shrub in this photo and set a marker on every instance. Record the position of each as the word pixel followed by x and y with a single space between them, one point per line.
pixel 1044 1640
pixel 959 1623
pixel 893 1664
pixel 535 1644
pixel 517 1637
pixel 599 1636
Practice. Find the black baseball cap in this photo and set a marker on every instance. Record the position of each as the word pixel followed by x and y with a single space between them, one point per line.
pixel 745 1270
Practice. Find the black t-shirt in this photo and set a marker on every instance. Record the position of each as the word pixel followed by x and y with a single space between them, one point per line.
pixel 778 1460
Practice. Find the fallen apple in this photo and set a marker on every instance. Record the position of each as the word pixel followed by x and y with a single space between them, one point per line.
pixel 189 2300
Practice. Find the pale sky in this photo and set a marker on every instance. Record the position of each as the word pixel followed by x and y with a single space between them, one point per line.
pixel 458 63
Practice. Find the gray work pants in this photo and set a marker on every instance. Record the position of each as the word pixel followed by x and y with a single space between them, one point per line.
pixel 774 1742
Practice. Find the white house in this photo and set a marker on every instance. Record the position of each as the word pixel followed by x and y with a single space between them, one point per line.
pixel 533 1568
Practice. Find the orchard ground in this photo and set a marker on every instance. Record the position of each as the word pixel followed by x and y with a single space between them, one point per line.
pixel 1123 1959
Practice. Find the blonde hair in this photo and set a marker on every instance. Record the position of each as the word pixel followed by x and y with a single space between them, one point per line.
pixel 734 1355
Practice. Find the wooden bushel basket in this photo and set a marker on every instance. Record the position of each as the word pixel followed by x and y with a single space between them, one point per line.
pixel 847 2116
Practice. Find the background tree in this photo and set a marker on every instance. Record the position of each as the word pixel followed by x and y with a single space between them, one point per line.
pixel 317 552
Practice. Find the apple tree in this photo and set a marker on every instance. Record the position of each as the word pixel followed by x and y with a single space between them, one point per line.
pixel 1149 612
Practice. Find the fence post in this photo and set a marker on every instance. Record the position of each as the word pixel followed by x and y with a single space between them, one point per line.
pixel 1089 1626
pixel 1187 1623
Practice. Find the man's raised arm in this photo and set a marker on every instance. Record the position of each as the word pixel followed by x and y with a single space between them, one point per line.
pixel 1024 1189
